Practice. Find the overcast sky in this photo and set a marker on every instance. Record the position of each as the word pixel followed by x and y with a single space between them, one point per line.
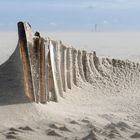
pixel 71 15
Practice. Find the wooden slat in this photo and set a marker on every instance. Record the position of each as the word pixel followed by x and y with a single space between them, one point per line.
pixel 28 85
pixel 43 97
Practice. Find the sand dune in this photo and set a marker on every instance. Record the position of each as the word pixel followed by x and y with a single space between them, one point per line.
pixel 101 103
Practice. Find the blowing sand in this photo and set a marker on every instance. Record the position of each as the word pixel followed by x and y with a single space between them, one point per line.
pixel 106 107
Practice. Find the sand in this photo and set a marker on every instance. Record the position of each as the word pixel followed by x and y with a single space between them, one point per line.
pixel 105 107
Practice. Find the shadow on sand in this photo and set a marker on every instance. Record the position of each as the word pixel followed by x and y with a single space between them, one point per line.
pixel 11 81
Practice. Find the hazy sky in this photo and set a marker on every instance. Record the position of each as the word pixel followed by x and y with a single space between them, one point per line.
pixel 71 15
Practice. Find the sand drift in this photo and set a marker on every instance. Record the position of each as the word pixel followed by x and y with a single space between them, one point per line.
pixel 42 69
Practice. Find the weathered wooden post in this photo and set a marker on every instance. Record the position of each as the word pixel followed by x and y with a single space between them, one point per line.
pixel 43 97
pixel 23 46
pixel 69 67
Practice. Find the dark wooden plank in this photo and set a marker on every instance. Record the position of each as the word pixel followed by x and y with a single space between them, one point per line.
pixel 43 97
pixel 25 61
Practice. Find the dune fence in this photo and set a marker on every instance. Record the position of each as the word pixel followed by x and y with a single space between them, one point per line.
pixel 42 70
pixel 49 67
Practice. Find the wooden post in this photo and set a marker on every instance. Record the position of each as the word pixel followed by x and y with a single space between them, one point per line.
pixel 23 46
pixel 43 97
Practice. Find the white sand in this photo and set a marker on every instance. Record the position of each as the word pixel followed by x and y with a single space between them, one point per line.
pixel 108 110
